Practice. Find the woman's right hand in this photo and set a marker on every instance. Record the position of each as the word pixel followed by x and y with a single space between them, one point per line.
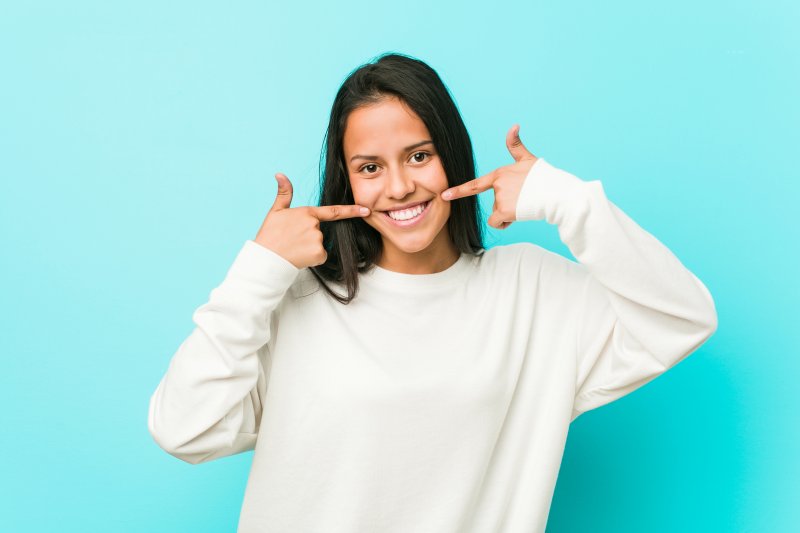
pixel 293 232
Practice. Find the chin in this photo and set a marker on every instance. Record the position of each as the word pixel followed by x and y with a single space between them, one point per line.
pixel 414 250
pixel 409 246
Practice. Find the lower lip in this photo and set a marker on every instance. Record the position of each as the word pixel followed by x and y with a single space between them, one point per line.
pixel 412 221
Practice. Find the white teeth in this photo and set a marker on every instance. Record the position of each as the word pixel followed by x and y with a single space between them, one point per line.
pixel 406 214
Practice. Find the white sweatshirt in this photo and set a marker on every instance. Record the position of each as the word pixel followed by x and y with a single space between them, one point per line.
pixel 432 403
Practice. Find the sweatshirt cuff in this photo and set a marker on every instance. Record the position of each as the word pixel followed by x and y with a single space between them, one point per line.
pixel 259 264
pixel 550 193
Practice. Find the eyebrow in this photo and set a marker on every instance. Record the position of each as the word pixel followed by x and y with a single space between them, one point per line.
pixel 374 157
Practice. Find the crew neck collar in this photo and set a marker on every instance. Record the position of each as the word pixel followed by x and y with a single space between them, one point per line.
pixel 379 276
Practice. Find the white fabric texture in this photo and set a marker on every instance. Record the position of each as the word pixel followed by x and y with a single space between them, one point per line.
pixel 435 402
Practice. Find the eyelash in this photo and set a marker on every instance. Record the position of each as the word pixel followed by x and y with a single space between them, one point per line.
pixel 373 164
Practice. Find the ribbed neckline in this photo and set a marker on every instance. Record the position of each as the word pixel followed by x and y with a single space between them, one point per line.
pixel 379 276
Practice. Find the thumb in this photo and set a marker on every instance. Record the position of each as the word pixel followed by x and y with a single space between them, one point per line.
pixel 284 197
pixel 515 146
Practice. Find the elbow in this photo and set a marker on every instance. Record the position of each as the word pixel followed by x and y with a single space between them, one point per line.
pixel 169 441
pixel 704 327
pixel 713 322
pixel 710 321
pixel 191 458
pixel 176 449
pixel 706 319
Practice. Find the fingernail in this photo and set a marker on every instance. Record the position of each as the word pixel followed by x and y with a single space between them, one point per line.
pixel 364 211
pixel 447 195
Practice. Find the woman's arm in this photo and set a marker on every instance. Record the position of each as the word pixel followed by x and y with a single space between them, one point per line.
pixel 641 310
pixel 209 402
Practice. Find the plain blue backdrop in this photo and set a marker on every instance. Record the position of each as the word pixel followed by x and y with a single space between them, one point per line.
pixel 138 145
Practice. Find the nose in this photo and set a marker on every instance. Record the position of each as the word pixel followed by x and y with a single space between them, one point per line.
pixel 399 185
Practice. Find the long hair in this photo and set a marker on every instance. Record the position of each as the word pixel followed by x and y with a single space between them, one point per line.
pixel 352 245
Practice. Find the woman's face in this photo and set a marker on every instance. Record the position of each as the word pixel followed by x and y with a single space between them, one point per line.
pixel 392 163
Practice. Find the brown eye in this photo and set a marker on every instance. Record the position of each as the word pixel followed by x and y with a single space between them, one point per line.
pixel 420 153
pixel 366 166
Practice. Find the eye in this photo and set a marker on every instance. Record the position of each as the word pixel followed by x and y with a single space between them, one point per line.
pixel 362 169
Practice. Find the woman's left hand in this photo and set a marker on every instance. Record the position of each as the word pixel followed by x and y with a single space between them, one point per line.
pixel 506 182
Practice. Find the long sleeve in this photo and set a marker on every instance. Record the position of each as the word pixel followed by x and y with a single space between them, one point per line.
pixel 209 402
pixel 641 311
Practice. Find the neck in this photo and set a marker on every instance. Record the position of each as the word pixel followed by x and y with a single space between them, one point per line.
pixel 433 259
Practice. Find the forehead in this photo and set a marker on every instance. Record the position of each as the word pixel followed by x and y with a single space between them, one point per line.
pixel 383 126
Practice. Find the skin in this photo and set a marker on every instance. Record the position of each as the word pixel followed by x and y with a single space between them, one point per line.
pixel 294 232
pixel 397 176
pixel 506 182
pixel 399 168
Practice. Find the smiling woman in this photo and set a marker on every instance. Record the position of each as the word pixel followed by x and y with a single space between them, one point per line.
pixel 402 190
pixel 395 139
pixel 439 398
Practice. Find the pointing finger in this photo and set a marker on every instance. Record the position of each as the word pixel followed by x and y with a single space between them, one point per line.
pixel 472 187
pixel 338 212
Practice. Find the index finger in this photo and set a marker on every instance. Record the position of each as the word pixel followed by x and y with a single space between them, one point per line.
pixel 476 186
pixel 338 212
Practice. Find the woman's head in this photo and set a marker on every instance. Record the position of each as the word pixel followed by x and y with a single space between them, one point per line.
pixel 381 110
pixel 393 164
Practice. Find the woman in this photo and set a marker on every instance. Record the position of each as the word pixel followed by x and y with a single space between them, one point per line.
pixel 390 373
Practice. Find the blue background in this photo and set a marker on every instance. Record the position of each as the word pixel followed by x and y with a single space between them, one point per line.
pixel 138 144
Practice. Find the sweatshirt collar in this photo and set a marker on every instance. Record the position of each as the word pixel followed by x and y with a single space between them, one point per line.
pixel 380 277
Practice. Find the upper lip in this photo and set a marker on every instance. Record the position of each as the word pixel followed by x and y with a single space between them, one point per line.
pixel 406 206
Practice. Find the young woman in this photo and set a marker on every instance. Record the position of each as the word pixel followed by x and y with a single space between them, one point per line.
pixel 391 374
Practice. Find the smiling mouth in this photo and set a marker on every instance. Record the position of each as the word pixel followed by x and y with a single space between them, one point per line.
pixel 422 206
pixel 412 220
pixel 412 207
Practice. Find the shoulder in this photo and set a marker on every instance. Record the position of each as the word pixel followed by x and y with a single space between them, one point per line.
pixel 305 284
pixel 514 255
pixel 551 268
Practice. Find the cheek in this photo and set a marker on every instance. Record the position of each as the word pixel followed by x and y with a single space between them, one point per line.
pixel 435 178
pixel 365 194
